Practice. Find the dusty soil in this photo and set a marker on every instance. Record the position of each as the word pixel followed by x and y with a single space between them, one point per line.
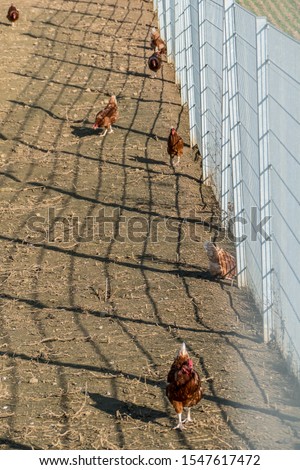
pixel 90 324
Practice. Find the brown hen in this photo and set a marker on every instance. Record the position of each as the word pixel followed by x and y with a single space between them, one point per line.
pixel 157 43
pixel 12 14
pixel 107 116
pixel 221 263
pixel 154 62
pixel 175 146
pixel 184 386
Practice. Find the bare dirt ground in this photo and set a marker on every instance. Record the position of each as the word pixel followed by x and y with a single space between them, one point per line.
pixel 90 325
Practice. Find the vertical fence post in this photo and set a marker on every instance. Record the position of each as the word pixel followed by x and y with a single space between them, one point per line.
pixel 177 49
pixel 196 138
pixel 235 137
pixel 190 69
pixel 184 96
pixel 264 175
pixel 203 89
pixel 180 52
pixel 226 178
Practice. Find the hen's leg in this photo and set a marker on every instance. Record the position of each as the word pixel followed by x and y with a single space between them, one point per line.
pixel 103 133
pixel 188 418
pixel 110 129
pixel 180 423
pixel 178 161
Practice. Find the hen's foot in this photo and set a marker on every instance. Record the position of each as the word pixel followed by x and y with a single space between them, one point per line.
pixel 179 426
pixel 188 420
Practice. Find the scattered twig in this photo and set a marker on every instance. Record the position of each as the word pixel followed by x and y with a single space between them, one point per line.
pixel 49 340
pixel 6 416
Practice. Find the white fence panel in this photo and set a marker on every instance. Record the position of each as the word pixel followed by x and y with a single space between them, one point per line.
pixel 264 169
pixel 180 49
pixel 235 138
pixel 211 45
pixel 227 204
pixel 161 13
pixel 284 141
pixel 248 128
pixel 192 63
pixel 166 21
pixel 196 128
pixel 170 29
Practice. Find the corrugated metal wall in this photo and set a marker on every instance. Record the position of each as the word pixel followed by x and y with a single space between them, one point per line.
pixel 240 78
